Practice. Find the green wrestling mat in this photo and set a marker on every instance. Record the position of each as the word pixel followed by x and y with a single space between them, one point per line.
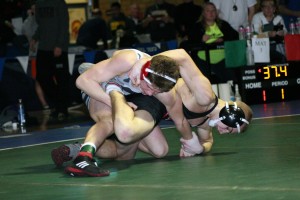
pixel 263 163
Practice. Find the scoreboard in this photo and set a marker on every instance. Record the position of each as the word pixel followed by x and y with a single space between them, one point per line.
pixel 270 83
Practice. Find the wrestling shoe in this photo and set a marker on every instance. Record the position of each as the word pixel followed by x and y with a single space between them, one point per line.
pixel 65 153
pixel 85 166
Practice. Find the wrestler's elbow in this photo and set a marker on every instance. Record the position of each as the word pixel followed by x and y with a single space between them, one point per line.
pixel 80 81
pixel 182 52
pixel 181 55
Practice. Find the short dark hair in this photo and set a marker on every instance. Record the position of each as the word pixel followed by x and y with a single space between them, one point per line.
pixel 274 2
pixel 165 66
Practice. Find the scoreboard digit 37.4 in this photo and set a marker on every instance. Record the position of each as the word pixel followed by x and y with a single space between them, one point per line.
pixel 270 83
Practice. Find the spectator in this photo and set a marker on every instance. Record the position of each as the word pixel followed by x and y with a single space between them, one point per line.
pixel 136 16
pixel 159 21
pixel 210 29
pixel 29 26
pixel 290 9
pixel 52 54
pixel 186 15
pixel 11 15
pixel 93 30
pixel 121 27
pixel 236 12
pixel 7 35
pixel 271 24
pixel 28 29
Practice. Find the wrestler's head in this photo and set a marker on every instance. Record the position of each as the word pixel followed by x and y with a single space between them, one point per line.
pixel 234 117
pixel 161 73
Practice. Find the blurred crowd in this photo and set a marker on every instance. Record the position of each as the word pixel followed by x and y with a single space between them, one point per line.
pixel 160 21
pixel 44 33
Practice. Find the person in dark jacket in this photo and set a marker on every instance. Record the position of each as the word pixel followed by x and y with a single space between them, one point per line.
pixel 122 29
pixel 159 21
pixel 186 15
pixel 92 31
pixel 52 63
pixel 210 31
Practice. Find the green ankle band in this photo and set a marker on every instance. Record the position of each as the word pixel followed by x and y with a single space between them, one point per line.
pixel 88 148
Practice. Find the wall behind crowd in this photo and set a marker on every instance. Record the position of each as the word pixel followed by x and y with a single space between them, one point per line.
pixel 105 5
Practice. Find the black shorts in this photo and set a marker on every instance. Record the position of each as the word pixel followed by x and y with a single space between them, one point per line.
pixel 148 103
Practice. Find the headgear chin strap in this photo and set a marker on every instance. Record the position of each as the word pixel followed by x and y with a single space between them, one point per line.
pixel 232 116
pixel 146 69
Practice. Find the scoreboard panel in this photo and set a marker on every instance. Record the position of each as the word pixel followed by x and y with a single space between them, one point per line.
pixel 270 83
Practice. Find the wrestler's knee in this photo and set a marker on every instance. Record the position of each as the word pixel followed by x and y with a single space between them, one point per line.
pixel 160 151
pixel 125 134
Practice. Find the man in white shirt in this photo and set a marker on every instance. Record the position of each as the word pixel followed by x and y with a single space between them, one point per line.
pixel 236 12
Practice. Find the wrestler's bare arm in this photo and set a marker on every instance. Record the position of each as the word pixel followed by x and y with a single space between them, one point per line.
pixel 89 81
pixel 173 104
pixel 199 85
pixel 129 125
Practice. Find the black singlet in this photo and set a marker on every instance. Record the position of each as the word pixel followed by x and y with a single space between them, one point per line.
pixel 192 115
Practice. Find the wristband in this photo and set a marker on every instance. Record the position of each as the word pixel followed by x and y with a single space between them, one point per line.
pixel 111 86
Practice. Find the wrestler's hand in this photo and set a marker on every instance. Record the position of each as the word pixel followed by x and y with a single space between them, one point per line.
pixel 184 154
pixel 135 72
pixel 132 105
pixel 190 147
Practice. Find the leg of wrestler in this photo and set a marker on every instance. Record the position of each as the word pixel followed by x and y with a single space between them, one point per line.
pixel 126 151
pixel 108 149
pixel 140 122
pixel 155 143
pixel 102 115
pixel 149 111
pixel 113 149
pixel 83 165
pixel 130 125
